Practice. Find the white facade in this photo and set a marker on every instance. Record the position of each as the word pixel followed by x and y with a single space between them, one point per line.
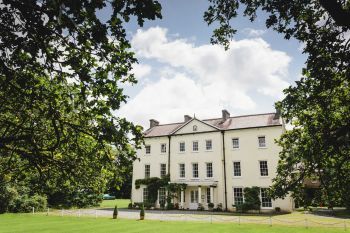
pixel 235 160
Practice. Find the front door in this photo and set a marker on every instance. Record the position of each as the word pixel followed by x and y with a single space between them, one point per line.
pixel 194 200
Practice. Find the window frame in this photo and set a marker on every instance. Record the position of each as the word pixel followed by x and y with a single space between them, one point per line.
pixel 162 170
pixel 261 168
pixel 149 170
pixel 206 170
pixel 184 147
pixel 161 148
pixel 236 197
pixel 234 170
pixel 268 199
pixel 161 195
pixel 148 149
pixel 233 145
pixel 211 145
pixel 193 171
pixel 184 171
pixel 265 144
pixel 145 193
pixel 193 143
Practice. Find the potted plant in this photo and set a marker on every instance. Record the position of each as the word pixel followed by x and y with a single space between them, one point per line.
pixel 142 213
pixel 210 206
pixel 115 212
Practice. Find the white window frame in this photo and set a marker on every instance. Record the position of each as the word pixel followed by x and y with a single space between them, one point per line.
pixel 206 144
pixel 184 171
pixel 208 195
pixel 234 196
pixel 149 175
pixel 240 168
pixel 193 171
pixel 180 151
pixel 262 145
pixel 193 143
pixel 206 170
pixel 146 151
pixel 161 195
pixel 261 169
pixel 161 170
pixel 233 145
pixel 161 148
pixel 145 193
pixel 261 199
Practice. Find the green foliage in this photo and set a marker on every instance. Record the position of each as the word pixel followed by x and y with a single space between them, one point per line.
pixel 317 106
pixel 153 185
pixel 211 205
pixel 142 212
pixel 115 212
pixel 251 199
pixel 25 204
pixel 61 70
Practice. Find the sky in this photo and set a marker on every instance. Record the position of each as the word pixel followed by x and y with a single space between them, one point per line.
pixel 181 73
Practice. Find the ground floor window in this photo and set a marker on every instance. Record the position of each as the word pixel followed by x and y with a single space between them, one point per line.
pixel 265 198
pixel 238 196
pixel 161 194
pixel 208 195
pixel 194 196
pixel 145 195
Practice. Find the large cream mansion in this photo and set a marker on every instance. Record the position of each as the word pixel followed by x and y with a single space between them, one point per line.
pixel 216 158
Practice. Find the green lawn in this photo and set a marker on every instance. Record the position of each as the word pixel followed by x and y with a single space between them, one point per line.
pixel 122 203
pixel 28 223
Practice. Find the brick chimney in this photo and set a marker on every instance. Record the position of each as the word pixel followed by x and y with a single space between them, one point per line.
pixel 225 115
pixel 153 123
pixel 187 118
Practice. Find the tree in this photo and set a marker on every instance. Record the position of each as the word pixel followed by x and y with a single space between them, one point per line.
pixel 61 71
pixel 318 105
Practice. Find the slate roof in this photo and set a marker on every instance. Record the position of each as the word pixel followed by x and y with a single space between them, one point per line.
pixel 236 122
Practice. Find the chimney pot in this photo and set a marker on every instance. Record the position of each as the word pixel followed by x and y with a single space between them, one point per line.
pixel 225 114
pixel 187 118
pixel 153 123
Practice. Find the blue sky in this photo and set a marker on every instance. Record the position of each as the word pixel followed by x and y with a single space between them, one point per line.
pixel 180 73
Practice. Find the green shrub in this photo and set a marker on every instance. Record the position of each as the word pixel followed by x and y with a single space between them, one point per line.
pixel 142 213
pixel 211 205
pixel 251 199
pixel 25 204
pixel 7 196
pixel 115 212
pixel 130 206
pixel 277 209
pixel 200 207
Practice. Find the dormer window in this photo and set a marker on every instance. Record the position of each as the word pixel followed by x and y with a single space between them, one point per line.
pixel 195 128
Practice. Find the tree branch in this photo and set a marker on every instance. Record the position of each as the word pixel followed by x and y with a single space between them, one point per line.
pixel 335 9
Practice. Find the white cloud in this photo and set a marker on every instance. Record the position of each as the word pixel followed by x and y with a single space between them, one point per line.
pixel 251 32
pixel 204 79
pixel 141 70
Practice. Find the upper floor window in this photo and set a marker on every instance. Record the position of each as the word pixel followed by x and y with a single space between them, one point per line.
pixel 262 141
pixel 195 146
pixel 208 145
pixel 148 149
pixel 235 143
pixel 195 170
pixel 195 128
pixel 264 171
pixel 209 170
pixel 182 147
pixel 147 171
pixel 265 198
pixel 163 148
pixel 162 170
pixel 182 170
pixel 237 168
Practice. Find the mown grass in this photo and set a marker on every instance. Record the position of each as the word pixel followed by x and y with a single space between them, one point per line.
pixel 122 203
pixel 39 223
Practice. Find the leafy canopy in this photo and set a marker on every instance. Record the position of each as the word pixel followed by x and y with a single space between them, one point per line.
pixel 61 76
pixel 318 106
